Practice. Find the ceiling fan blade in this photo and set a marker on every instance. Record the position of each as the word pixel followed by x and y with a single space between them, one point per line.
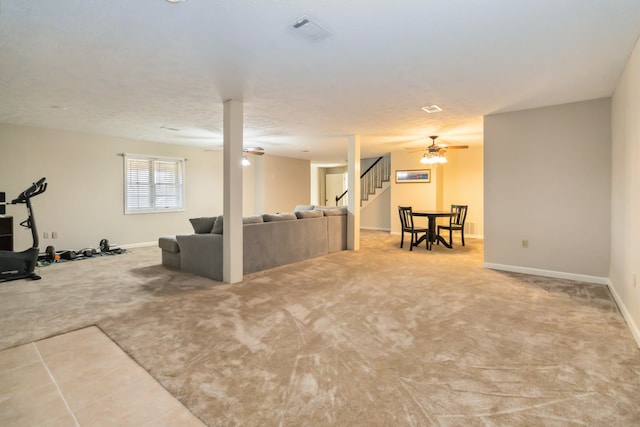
pixel 456 147
pixel 258 151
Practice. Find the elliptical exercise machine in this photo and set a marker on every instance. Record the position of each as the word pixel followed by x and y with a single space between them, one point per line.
pixel 21 265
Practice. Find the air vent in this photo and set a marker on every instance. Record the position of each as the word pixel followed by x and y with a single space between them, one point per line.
pixel 309 29
pixel 470 228
pixel 432 108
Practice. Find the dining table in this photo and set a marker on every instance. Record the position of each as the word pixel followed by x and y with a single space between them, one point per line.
pixel 433 215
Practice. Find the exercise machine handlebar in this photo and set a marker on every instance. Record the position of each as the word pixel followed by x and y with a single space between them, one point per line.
pixel 35 189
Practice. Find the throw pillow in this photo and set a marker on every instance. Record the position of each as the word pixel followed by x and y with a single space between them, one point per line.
pixel 203 224
pixel 329 211
pixel 278 217
pixel 253 219
pixel 218 226
pixel 303 207
pixel 308 214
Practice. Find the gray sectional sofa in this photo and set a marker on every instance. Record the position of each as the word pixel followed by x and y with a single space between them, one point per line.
pixel 270 240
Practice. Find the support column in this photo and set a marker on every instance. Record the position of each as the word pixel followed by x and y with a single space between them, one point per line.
pixel 353 195
pixel 232 267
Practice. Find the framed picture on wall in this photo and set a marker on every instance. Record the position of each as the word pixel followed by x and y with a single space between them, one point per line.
pixel 417 175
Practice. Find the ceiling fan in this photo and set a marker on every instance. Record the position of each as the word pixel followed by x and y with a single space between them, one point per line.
pixel 434 153
pixel 439 148
pixel 258 151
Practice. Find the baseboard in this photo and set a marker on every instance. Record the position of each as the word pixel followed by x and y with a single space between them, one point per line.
pixel 138 245
pixel 548 273
pixel 633 327
pixel 466 236
pixel 375 228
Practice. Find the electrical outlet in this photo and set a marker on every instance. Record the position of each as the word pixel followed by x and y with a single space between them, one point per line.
pixel 54 234
pixel 45 235
pixel 525 243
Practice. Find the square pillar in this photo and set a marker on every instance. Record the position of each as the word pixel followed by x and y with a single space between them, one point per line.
pixel 353 195
pixel 232 266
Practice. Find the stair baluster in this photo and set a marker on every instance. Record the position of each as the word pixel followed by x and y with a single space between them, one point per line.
pixel 374 177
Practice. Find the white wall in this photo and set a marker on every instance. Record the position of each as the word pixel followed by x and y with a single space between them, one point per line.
pixel 625 198
pixel 286 183
pixel 463 184
pixel 376 214
pixel 317 178
pixel 252 187
pixel 418 195
pixel 547 179
pixel 84 200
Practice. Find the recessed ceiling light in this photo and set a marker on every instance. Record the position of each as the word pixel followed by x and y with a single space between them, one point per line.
pixel 432 108
pixel 174 1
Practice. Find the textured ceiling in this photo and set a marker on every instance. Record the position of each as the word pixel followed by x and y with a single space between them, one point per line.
pixel 159 71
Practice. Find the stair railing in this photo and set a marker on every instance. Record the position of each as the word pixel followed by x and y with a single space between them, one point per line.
pixel 372 178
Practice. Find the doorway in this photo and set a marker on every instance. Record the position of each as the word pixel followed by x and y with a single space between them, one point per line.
pixel 335 185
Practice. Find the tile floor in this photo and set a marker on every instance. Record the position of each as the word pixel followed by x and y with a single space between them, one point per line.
pixel 82 378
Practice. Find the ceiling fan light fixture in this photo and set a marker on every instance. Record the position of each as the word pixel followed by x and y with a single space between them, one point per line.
pixel 433 159
pixel 245 161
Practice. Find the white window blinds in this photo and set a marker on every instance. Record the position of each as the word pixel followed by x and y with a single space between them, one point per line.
pixel 153 184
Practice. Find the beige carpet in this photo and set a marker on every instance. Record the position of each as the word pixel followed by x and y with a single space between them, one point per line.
pixel 381 336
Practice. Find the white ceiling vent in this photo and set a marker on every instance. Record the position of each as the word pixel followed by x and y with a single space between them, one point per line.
pixel 432 109
pixel 309 29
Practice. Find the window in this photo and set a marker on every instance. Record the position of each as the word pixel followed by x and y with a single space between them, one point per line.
pixel 153 184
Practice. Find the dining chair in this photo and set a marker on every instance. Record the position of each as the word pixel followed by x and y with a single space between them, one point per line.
pixel 406 221
pixel 456 222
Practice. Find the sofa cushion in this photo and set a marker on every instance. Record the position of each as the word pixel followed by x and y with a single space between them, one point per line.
pixel 332 210
pixel 202 224
pixel 218 226
pixel 253 219
pixel 308 214
pixel 303 207
pixel 278 217
pixel 169 243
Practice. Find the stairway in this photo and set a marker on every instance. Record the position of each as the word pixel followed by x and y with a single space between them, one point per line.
pixel 374 178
